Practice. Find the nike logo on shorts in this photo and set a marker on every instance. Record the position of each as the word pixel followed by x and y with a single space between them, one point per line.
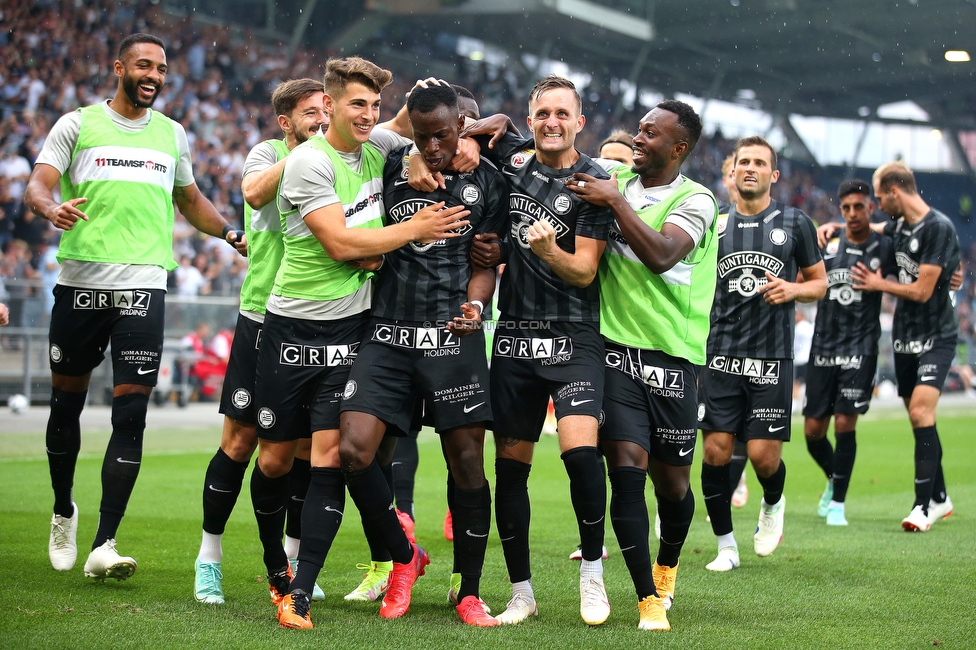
pixel 858 405
pixel 773 429
pixel 468 409
pixel 219 490
pixel 143 371
pixel 573 402
pixel 927 378
pixel 685 452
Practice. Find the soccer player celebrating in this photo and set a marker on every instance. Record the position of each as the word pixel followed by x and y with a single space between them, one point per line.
pixel 298 103
pixel 331 199
pixel 120 166
pixel 746 388
pixel 844 354
pixel 425 337
pixel 551 345
pixel 657 282
pixel 925 327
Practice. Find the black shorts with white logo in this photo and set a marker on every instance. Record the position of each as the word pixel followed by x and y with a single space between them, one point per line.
pixel 531 362
pixel 400 360
pixel 83 321
pixel 839 384
pixel 651 399
pixel 303 365
pixel 927 368
pixel 237 395
pixel 752 398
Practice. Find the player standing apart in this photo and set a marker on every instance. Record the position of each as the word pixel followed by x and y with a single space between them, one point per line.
pixel 657 282
pixel 925 328
pixel 120 166
pixel 298 105
pixel 746 388
pixel 844 353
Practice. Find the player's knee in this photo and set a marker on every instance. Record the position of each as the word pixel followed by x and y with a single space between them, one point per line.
pixel 239 441
pixel 920 415
pixel 274 463
pixel 468 469
pixel 353 457
pixel 765 465
pixel 129 412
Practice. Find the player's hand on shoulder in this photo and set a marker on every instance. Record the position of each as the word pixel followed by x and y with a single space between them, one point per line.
pixel 68 214
pixel 597 191
pixel 468 323
pixel 486 250
pixel 437 222
pixel 494 125
pixel 826 231
pixel 367 263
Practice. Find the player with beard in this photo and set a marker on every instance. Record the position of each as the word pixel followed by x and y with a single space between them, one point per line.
pixel 844 353
pixel 550 345
pixel 425 337
pixel 120 166
pixel 657 283
pixel 746 388
pixel 925 328
pixel 298 103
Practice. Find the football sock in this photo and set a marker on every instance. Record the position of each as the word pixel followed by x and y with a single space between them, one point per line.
pixel 298 481
pixel 512 516
pixel 210 548
pixel 740 456
pixel 473 521
pixel 123 458
pixel 406 459
pixel 844 463
pixel 717 494
pixel 676 519
pixel 629 518
pixel 221 487
pixel 371 493
pixel 451 505
pixel 823 454
pixel 773 485
pixel 939 486
pixel 63 440
pixel 324 503
pixel 268 499
pixel 926 464
pixel 588 492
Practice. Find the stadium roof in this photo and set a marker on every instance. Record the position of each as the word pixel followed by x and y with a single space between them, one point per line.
pixel 830 58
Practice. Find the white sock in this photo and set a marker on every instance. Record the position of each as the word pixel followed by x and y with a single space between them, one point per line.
pixel 210 549
pixel 592 569
pixel 836 504
pixel 291 547
pixel 771 509
pixel 524 587
pixel 727 541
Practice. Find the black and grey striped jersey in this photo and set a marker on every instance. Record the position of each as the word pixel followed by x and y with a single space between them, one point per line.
pixel 932 240
pixel 780 240
pixel 429 282
pixel 848 320
pixel 530 289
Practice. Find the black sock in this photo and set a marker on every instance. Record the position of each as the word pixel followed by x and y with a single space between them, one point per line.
pixel 588 491
pixel 740 456
pixel 372 495
pixel 844 463
pixel 63 441
pixel 773 485
pixel 123 458
pixel 324 502
pixel 451 492
pixel 473 522
pixel 938 486
pixel 299 479
pixel 221 487
pixel 387 475
pixel 406 459
pixel 926 464
pixel 628 515
pixel 717 494
pixel 269 497
pixel 823 454
pixel 512 515
pixel 676 519
pixel 378 552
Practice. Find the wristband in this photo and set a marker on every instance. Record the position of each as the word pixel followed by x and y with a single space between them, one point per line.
pixel 223 233
pixel 480 304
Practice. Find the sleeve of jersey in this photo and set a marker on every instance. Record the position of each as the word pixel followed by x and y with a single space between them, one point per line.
pixel 61 141
pixel 936 244
pixel 259 158
pixel 184 167
pixel 386 141
pixel 889 229
pixel 308 182
pixel 807 251
pixel 506 146
pixel 888 265
pixel 496 206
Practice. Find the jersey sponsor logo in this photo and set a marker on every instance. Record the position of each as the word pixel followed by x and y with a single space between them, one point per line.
pixel 753 266
pixel 664 382
pixel 404 211
pixel 317 356
pixel 912 347
pixel 854 251
pixel 120 163
pixel 148 165
pixel 841 291
pixel 470 194
pixel 459 394
pixel 759 371
pixel 525 211
pixel 241 398
pixel 135 302
pixel 720 225
pixel 376 198
pixel 847 362
pixel 542 177
pixel 415 338
pixel 519 158
pixel 549 351
pixel 56 354
pixel 832 247
pixel 615 360
pixel 266 417
pixel 747 224
pixel 907 268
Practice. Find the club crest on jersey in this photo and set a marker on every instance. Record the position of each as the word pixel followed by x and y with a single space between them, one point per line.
pixel 519 158
pixel 562 204
pixel 874 264
pixel 470 194
pixel 832 246
pixel 913 245
pixel 777 236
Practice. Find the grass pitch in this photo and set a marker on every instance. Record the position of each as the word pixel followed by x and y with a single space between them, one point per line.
pixel 868 585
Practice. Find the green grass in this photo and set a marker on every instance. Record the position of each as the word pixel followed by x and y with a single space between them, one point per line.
pixel 869 585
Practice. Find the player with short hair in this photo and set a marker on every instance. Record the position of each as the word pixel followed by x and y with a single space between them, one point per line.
pixel 298 104
pixel 657 283
pixel 925 328
pixel 844 354
pixel 548 342
pixel 746 388
pixel 618 146
pixel 120 166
